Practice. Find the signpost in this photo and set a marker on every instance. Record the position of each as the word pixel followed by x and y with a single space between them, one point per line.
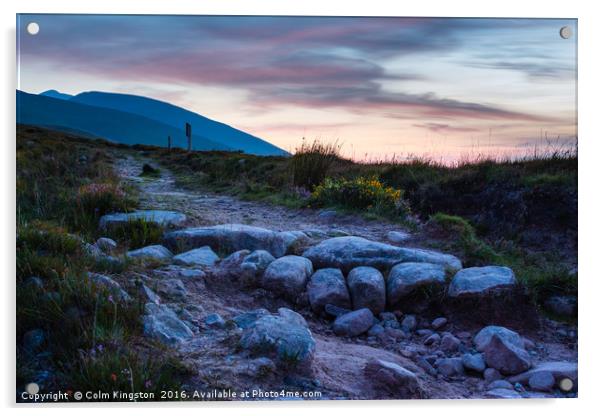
pixel 189 135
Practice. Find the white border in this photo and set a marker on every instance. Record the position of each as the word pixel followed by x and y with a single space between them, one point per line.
pixel 590 119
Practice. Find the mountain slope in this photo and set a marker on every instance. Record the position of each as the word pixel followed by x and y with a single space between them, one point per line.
pixel 56 94
pixel 117 126
pixel 177 117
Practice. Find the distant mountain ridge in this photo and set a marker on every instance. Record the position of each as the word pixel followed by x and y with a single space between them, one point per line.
pixel 56 94
pixel 132 119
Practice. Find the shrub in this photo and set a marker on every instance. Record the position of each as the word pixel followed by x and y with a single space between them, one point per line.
pixel 365 193
pixel 102 198
pixel 475 251
pixel 137 233
pixel 97 199
pixel 149 171
pixel 311 162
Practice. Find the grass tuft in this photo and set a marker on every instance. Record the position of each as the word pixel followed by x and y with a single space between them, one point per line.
pixel 312 161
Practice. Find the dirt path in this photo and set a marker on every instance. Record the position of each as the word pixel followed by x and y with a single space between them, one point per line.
pixel 206 208
pixel 339 362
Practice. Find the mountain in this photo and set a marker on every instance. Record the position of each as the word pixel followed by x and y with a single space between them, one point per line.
pixel 56 94
pixel 113 125
pixel 177 117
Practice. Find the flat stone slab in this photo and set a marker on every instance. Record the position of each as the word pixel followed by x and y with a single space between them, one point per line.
pixel 233 237
pixel 163 218
pixel 480 281
pixel 349 252
pixel 558 369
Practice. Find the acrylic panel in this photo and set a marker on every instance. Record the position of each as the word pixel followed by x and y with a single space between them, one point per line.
pixel 290 207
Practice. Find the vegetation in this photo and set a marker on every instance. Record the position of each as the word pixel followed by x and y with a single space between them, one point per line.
pixel 541 272
pixel 311 163
pixel 91 340
pixel 361 193
pixel 136 233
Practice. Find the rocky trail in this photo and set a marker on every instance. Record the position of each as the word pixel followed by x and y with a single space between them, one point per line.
pixel 288 304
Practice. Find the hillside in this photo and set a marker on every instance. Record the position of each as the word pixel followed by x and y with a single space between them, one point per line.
pixel 113 125
pixel 130 119
pixel 175 116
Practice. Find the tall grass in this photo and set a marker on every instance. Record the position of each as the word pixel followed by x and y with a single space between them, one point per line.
pixel 91 339
pixel 312 161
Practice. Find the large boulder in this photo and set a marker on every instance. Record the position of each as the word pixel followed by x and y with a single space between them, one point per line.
pixel 162 218
pixel 367 289
pixel 163 324
pixel 405 278
pixel 503 349
pixel 480 281
pixel 353 323
pixel 202 256
pixel 327 286
pixel 154 252
pixel 393 378
pixel 505 356
pixel 348 252
pixel 282 337
pixel 287 276
pixel 483 337
pixel 233 237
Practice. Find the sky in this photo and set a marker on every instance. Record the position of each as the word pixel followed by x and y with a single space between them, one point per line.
pixel 383 88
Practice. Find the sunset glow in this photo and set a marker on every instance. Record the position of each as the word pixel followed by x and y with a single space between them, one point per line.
pixel 384 87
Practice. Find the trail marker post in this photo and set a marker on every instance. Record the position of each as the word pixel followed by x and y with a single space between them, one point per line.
pixel 169 143
pixel 189 135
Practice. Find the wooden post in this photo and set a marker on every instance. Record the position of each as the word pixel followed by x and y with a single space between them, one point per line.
pixel 169 143
pixel 189 135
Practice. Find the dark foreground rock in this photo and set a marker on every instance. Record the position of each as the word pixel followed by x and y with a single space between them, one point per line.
pixel 161 323
pixel 481 281
pixel 558 369
pixel 353 323
pixel 396 380
pixel 367 289
pixel 282 337
pixel 287 276
pixel 406 278
pixel 327 286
